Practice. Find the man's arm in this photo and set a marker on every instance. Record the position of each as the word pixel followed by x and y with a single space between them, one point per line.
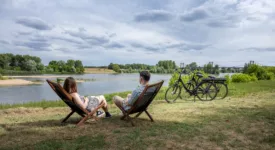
pixel 134 96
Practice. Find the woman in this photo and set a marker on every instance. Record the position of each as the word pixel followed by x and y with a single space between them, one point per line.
pixel 88 103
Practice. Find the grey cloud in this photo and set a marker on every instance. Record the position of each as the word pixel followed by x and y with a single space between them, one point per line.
pixel 93 40
pixel 4 42
pixel 195 14
pixel 266 49
pixel 67 40
pixel 63 50
pixel 112 35
pixel 24 33
pixel 35 45
pixel 33 22
pixel 228 21
pixel 97 40
pixel 39 39
pixel 153 16
pixel 84 46
pixel 146 47
pixel 114 45
pixel 188 46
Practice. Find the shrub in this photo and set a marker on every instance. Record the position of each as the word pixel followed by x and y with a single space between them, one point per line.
pixel 270 76
pixel 243 78
pixel 228 79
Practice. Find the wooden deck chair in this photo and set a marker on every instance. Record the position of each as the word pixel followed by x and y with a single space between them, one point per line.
pixel 68 99
pixel 143 101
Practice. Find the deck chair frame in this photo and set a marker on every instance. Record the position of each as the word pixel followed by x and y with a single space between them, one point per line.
pixel 68 99
pixel 132 110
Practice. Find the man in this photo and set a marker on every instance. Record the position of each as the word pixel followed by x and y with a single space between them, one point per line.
pixel 126 104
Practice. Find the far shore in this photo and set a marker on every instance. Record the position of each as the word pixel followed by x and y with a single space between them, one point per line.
pixel 39 76
pixel 16 82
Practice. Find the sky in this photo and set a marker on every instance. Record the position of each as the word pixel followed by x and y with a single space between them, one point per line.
pixel 226 32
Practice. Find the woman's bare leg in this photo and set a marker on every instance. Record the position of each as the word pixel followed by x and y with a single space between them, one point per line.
pixel 103 100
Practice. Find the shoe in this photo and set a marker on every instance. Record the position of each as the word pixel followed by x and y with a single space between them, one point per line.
pixel 108 115
pixel 99 113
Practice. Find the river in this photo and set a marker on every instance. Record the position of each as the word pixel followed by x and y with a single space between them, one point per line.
pixel 103 84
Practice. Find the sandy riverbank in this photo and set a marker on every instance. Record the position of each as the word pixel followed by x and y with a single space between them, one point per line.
pixel 39 76
pixel 16 82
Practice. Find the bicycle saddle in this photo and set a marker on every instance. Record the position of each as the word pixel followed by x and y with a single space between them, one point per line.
pixel 210 76
pixel 199 75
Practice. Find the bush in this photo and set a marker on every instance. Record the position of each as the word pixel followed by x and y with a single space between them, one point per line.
pixel 243 78
pixel 228 79
pixel 270 76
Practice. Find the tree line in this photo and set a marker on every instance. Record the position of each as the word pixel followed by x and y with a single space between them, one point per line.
pixel 164 66
pixel 169 66
pixel 26 64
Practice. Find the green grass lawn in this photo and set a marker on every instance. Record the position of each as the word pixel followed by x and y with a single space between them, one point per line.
pixel 244 120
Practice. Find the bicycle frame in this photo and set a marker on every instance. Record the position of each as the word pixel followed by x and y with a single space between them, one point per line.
pixel 191 92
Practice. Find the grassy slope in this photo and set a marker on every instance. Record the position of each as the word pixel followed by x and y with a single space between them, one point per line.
pixel 235 90
pixel 243 121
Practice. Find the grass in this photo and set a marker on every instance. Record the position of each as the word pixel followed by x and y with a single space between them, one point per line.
pixel 245 122
pixel 98 70
pixel 235 90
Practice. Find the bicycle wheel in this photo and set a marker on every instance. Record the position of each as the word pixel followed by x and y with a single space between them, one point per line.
pixel 222 90
pixel 172 93
pixel 207 91
pixel 186 95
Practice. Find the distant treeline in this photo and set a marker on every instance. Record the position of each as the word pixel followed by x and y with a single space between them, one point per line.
pixel 26 64
pixel 169 66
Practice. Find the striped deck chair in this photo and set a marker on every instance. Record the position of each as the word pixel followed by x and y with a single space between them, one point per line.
pixel 68 99
pixel 142 103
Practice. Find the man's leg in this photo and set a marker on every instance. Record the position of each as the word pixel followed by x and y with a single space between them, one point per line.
pixel 118 101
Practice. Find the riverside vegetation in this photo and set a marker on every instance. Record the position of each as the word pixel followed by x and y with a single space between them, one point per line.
pixel 25 64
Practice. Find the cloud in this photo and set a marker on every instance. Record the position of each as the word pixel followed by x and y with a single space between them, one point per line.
pixel 91 39
pixel 154 16
pixel 184 46
pixel 66 39
pixel 194 14
pixel 115 45
pixel 145 47
pixel 35 45
pixel 24 33
pixel 258 49
pixel 227 21
pixel 4 42
pixel 33 22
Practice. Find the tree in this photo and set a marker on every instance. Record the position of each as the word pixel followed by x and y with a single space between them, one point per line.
pixel 79 66
pixel 216 69
pixel 40 66
pixel 61 66
pixel 70 63
pixel 116 68
pixel 110 66
pixel 30 65
pixel 193 66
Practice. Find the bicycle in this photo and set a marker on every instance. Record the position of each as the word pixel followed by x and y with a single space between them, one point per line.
pixel 220 83
pixel 204 88
pixel 221 87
